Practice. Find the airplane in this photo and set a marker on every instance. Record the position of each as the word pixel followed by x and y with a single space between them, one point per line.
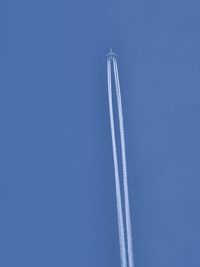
pixel 111 54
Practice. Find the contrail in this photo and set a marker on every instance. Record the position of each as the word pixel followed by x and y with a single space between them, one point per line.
pixel 124 167
pixel 116 171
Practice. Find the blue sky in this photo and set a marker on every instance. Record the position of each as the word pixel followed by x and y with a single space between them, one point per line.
pixel 57 197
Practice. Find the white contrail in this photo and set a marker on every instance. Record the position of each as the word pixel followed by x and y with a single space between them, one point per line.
pixel 124 167
pixel 116 171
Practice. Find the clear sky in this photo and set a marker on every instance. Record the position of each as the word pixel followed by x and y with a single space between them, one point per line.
pixel 57 198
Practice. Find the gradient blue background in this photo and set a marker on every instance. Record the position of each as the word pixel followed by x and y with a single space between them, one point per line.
pixel 57 198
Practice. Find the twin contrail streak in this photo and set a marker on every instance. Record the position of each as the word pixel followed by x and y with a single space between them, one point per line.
pixel 129 252
pixel 116 170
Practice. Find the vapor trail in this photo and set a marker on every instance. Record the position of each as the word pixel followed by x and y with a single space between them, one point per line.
pixel 116 171
pixel 124 167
